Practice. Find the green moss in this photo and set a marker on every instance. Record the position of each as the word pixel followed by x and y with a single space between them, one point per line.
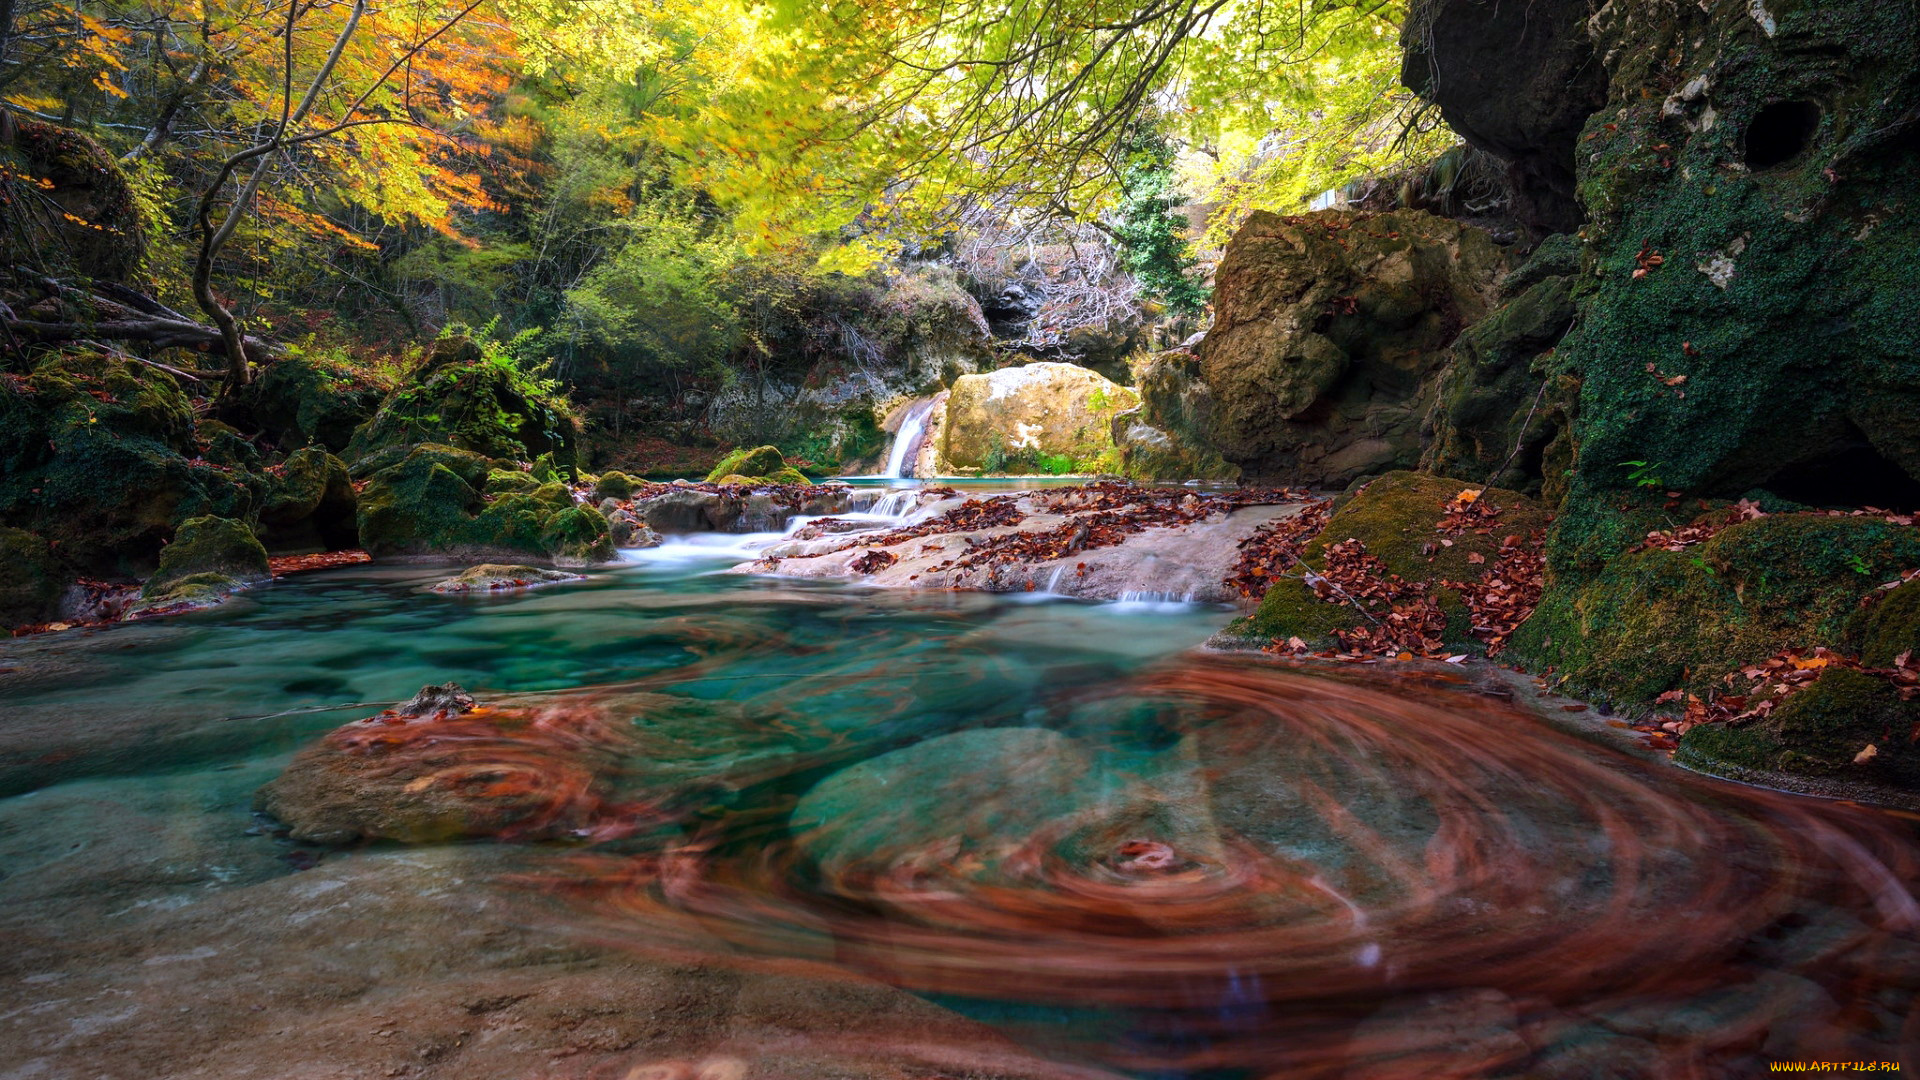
pixel 1290 609
pixel 97 455
pixel 1658 620
pixel 510 482
pixel 31 579
pixel 760 461
pixel 209 545
pixel 431 503
pixel 1820 731
pixel 190 593
pixel 614 485
pixel 1891 626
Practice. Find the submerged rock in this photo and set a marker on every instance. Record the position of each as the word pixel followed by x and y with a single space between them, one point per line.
pixel 195 592
pixel 502 577
pixel 1014 419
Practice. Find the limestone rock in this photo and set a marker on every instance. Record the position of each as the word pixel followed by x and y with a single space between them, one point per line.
pixel 1329 328
pixel 1516 81
pixel 31 580
pixel 96 228
pixel 431 503
pixel 1048 410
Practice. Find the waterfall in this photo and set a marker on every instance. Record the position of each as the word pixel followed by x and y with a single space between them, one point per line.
pixel 906 441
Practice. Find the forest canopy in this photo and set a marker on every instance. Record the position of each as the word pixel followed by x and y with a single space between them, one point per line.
pixel 674 193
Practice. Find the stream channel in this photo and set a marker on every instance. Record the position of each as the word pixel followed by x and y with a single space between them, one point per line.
pixel 908 833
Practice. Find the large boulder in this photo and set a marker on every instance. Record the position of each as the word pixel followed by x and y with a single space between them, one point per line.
pixel 757 465
pixel 1514 80
pixel 1019 418
pixel 1329 329
pixel 435 503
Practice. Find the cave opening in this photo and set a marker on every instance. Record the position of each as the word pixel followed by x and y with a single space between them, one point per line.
pixel 1848 479
pixel 1779 133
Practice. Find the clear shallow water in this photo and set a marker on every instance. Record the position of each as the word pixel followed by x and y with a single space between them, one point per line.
pixel 1044 816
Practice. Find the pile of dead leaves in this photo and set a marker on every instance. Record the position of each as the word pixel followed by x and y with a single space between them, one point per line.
pixel 282 565
pixel 967 517
pixel 1503 598
pixel 1273 550
pixel 1403 622
pixel 872 561
pixel 1468 512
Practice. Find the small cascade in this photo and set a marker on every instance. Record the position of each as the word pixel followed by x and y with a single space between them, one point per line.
pixel 906 441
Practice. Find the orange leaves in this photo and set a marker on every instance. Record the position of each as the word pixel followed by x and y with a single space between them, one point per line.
pixel 1273 549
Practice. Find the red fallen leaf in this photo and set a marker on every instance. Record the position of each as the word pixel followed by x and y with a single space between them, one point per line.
pixel 1476 558
pixel 1687 347
pixel 1573 708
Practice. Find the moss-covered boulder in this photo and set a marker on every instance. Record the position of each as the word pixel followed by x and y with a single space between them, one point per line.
pixel 475 398
pixel 614 484
pixel 82 219
pixel 760 464
pixel 1038 411
pixel 209 545
pixel 1329 327
pixel 98 455
pixel 437 502
pixel 1847 726
pixel 1658 620
pixel 31 579
pixel 314 400
pixel 1398 518
pixel 311 502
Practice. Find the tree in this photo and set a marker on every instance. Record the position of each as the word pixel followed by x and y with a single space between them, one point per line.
pixel 1150 230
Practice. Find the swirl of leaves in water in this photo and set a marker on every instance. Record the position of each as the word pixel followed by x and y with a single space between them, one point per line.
pixel 1259 869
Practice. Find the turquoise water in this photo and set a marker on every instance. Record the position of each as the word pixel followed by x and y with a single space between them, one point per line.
pixel 903 834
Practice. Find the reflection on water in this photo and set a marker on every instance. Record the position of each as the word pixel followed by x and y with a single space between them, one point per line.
pixel 1047 817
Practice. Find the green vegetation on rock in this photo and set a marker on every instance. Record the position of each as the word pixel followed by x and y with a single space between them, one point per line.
pixel 209 545
pixel 432 504
pixel 758 465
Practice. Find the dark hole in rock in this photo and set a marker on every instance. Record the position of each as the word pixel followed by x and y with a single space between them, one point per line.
pixel 1847 479
pixel 1780 132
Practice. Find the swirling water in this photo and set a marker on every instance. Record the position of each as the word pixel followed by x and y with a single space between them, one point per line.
pixel 1074 846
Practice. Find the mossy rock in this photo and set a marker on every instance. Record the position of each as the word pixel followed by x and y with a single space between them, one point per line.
pixel 760 461
pixel 1820 732
pixel 468 399
pixel 1397 518
pixel 511 482
pixel 314 400
pixel 95 227
pixel 98 455
pixel 313 498
pixel 209 545
pixel 195 592
pixel 1891 626
pixel 502 577
pixel 431 504
pixel 31 579
pixel 1658 620
pixel 615 485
